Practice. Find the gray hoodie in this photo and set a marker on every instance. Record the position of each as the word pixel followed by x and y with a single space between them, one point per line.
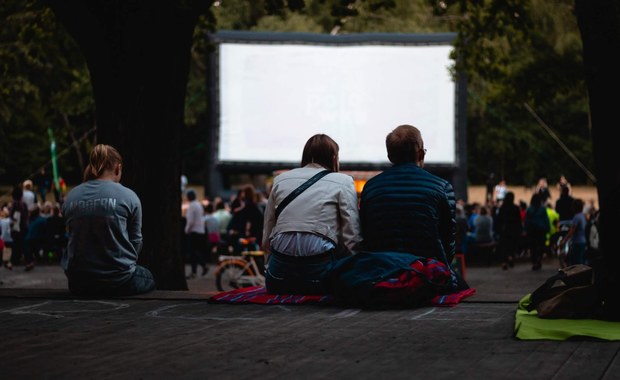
pixel 104 222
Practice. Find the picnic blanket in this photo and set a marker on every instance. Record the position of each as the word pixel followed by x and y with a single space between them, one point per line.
pixel 371 280
pixel 259 295
pixel 528 326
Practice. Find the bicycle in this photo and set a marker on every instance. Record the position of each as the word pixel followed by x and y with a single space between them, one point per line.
pixel 235 271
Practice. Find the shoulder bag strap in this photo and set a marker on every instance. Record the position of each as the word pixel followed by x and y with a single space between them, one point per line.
pixel 300 190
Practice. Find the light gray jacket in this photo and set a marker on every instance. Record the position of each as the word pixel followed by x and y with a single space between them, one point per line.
pixel 104 221
pixel 328 208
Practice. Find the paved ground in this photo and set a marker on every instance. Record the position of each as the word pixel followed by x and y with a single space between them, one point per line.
pixel 47 334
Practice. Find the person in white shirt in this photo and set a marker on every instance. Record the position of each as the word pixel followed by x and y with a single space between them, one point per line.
pixel 5 235
pixel 195 233
pixel 500 192
pixel 29 198
pixel 316 228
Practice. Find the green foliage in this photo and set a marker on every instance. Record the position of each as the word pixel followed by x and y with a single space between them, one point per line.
pixel 514 52
pixel 394 16
pixel 44 84
pixel 291 22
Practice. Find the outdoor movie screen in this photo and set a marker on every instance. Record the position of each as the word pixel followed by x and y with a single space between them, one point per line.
pixel 274 95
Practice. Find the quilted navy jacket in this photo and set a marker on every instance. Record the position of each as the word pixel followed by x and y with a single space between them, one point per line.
pixel 407 209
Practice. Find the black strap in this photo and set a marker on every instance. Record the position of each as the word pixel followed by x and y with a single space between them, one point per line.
pixel 300 190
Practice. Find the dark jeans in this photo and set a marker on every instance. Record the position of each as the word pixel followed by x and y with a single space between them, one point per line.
pixel 577 254
pixel 298 275
pixel 509 247
pixel 196 246
pixel 19 249
pixel 537 246
pixel 141 281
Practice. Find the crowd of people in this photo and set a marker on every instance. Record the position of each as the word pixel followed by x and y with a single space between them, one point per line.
pixel 564 227
pixel 31 230
pixel 402 214
pixel 218 226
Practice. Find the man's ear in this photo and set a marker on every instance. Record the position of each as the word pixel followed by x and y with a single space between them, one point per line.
pixel 117 170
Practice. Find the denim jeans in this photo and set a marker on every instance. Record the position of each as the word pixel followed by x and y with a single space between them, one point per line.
pixel 577 254
pixel 298 275
pixel 141 281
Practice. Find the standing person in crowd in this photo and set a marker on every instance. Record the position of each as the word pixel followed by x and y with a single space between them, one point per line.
pixel 261 200
pixel 564 184
pixel 247 220
pixel 461 229
pixel 470 237
pixel 554 227
pixel 542 189
pixel 406 208
pixel 195 233
pixel 104 224
pixel 251 215
pixel 523 210
pixel 577 235
pixel 212 229
pixel 509 229
pixel 237 201
pixel 5 235
pixel 473 214
pixel 484 227
pixel 34 240
pixel 590 208
pixel 564 205
pixel 235 227
pixel 42 184
pixel 315 228
pixel 28 195
pixel 184 182
pixel 20 219
pixel 490 186
pixel 523 244
pixel 500 191
pixel 223 215
pixel 536 227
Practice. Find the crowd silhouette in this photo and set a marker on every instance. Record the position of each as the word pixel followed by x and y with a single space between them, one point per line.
pixel 32 227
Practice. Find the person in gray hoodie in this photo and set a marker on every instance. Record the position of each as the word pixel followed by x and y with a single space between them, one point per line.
pixel 104 224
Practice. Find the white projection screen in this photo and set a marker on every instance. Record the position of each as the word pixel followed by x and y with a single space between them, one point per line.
pixel 273 94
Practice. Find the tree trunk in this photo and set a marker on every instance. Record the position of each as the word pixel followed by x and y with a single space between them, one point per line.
pixel 599 24
pixel 138 56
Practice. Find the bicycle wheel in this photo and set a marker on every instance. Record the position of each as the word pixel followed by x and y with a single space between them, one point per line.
pixel 232 275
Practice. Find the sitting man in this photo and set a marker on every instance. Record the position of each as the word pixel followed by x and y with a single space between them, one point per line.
pixel 406 209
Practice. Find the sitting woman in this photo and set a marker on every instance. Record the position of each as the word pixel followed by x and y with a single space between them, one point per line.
pixel 321 224
pixel 104 225
pixel 484 227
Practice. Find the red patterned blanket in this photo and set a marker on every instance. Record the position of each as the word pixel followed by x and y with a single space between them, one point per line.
pixel 258 295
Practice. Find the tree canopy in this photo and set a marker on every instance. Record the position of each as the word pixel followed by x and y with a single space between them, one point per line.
pixel 523 60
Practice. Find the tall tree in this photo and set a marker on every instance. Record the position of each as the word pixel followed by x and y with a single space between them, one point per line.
pixel 138 53
pixel 599 23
